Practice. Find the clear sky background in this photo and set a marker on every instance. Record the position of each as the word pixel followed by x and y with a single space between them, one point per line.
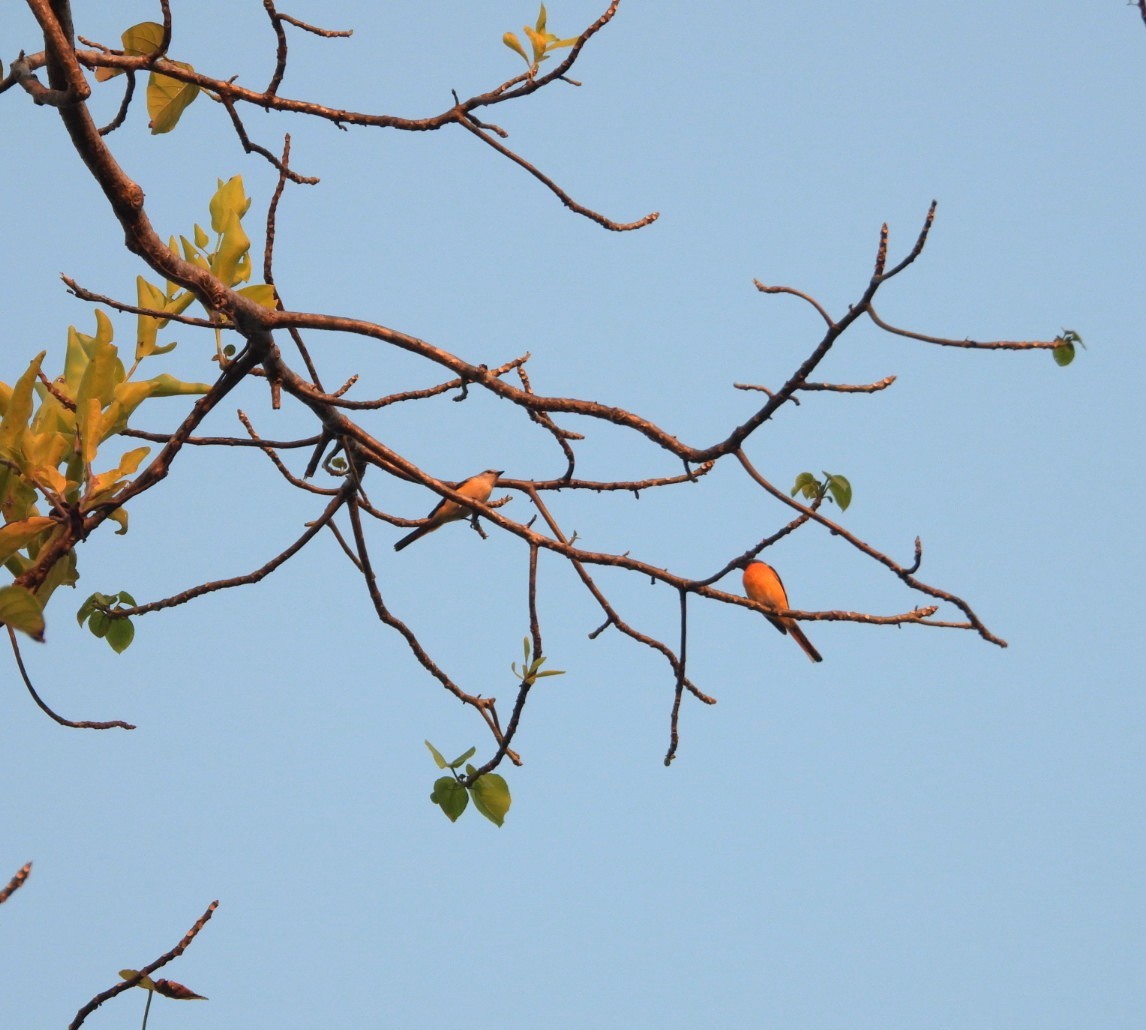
pixel 923 831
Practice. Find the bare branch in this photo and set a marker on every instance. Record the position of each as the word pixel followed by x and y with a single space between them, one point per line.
pixel 875 387
pixel 969 344
pixel 16 882
pixel 147 970
pixel 557 191
pixel 797 293
pixel 312 530
pixel 84 725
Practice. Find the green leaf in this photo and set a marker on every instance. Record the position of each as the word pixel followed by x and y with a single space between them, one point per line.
pixel 841 491
pixel 450 796
pixel 99 623
pixel 491 797
pixel 168 98
pixel 807 485
pixel 22 610
pixel 120 634
pixel 1063 354
pixel 457 762
pixel 551 672
pixel 94 602
pixel 438 756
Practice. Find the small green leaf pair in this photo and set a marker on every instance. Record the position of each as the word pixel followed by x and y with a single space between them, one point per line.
pixel 531 671
pixel 837 488
pixel 119 633
pixel 490 792
pixel 541 42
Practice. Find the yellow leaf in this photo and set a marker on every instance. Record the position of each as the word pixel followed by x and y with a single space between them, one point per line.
pixel 510 40
pixel 17 535
pixel 107 482
pixel 19 409
pixel 142 39
pixel 146 982
pixel 229 199
pixel 168 98
pixel 90 416
pixel 227 261
pixel 148 326
pixel 262 294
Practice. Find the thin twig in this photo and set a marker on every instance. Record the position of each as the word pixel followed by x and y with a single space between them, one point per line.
pixel 16 882
pixel 83 725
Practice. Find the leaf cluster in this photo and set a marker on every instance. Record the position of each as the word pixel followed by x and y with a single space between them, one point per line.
pixel 53 432
pixel 541 41
pixel 531 670
pixel 167 98
pixel 490 792
pixel 119 633
pixel 833 486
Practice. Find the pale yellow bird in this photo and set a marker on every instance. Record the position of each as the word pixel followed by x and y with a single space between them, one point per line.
pixel 477 488
pixel 761 583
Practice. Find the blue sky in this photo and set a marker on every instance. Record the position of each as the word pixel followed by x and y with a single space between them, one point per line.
pixel 922 831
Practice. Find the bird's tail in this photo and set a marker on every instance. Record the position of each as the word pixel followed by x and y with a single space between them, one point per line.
pixel 803 641
pixel 409 538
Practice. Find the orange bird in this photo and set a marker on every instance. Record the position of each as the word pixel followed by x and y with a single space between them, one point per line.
pixel 761 583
